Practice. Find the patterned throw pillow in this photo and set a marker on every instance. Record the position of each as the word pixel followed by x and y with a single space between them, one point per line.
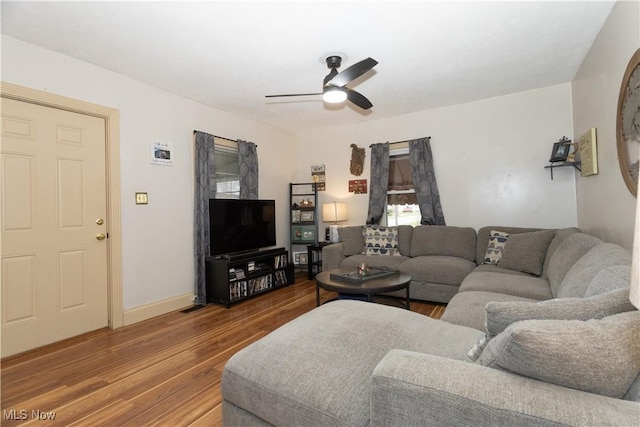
pixel 497 240
pixel 380 240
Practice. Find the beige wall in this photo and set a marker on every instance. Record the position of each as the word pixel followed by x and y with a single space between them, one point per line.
pixel 605 206
pixel 157 239
pixel 489 158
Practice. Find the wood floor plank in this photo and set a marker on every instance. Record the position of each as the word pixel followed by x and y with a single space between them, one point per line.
pixel 164 371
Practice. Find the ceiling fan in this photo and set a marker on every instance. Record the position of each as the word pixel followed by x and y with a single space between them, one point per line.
pixel 334 89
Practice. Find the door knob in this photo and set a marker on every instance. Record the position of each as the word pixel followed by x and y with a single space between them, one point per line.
pixel 101 236
pixel 99 221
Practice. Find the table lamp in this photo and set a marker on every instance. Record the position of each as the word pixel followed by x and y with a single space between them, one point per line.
pixel 335 213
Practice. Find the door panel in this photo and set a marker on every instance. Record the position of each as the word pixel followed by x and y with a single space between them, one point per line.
pixel 54 270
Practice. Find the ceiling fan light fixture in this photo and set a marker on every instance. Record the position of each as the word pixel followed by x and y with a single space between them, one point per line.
pixel 334 95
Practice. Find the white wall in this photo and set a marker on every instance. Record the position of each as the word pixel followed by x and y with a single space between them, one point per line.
pixel 489 158
pixel 157 238
pixel 605 206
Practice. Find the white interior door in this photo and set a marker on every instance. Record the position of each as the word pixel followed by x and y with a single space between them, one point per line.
pixel 54 250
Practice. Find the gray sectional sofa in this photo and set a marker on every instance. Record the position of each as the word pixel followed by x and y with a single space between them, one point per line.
pixel 560 347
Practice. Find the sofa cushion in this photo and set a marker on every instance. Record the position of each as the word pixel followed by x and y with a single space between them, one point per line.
pixel 352 239
pixel 495 269
pixel 584 270
pixel 386 262
pixel 560 235
pixel 599 356
pixel 526 251
pixel 495 247
pixel 444 240
pixel 531 287
pixel 609 279
pixel 468 308
pixel 569 251
pixel 499 315
pixel 446 270
pixel 502 314
pixel 405 233
pixel 332 386
pixel 482 239
pixel 381 240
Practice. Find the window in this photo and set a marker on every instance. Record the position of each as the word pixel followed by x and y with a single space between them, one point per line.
pixel 402 203
pixel 227 171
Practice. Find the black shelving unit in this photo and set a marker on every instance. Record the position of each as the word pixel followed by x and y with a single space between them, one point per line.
pixel 303 220
pixel 236 277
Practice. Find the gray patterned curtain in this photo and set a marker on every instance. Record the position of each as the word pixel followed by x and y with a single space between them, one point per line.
pixel 248 158
pixel 205 189
pixel 379 182
pixel 424 181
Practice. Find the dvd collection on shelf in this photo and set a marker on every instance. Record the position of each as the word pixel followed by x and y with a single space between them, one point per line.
pixel 240 287
pixel 280 261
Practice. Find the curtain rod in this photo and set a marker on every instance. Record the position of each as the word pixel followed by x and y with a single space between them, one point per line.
pixel 219 137
pixel 402 142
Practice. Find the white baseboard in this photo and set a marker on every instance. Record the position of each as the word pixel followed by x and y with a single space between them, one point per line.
pixel 157 308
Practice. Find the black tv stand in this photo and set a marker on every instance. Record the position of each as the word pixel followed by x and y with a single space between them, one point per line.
pixel 234 256
pixel 234 277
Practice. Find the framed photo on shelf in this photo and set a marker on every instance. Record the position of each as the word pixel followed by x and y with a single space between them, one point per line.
pixel 303 233
pixel 295 215
pixel 306 216
pixel 560 151
pixel 303 258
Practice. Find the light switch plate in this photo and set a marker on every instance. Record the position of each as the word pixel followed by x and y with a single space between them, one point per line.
pixel 141 199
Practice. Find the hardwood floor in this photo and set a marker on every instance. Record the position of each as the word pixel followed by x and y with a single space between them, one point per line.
pixel 161 372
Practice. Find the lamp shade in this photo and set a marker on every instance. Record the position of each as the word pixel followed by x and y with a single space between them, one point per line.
pixel 334 212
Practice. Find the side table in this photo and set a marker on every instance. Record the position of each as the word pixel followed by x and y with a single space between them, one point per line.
pixel 314 258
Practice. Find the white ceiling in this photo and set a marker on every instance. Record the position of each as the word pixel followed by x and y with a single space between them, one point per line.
pixel 229 54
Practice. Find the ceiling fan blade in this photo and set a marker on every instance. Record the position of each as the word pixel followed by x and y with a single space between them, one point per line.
pixel 292 94
pixel 353 72
pixel 358 99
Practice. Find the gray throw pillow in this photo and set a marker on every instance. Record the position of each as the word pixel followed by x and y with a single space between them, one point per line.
pixel 500 315
pixel 599 356
pixel 352 239
pixel 526 251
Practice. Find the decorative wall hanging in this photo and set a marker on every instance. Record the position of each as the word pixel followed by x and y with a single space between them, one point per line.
pixel 628 123
pixel 588 153
pixel 318 177
pixel 358 186
pixel 357 160
pixel 161 153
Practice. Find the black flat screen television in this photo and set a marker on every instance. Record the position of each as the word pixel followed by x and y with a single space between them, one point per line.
pixel 241 225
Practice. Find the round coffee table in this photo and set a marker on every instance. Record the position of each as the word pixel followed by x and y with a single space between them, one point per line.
pixel 368 288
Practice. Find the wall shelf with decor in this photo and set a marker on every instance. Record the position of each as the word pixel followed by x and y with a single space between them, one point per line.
pixel 562 165
pixel 303 220
pixel 563 154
